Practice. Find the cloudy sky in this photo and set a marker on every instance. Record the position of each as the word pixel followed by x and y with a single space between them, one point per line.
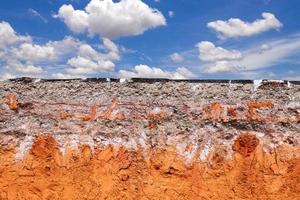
pixel 177 39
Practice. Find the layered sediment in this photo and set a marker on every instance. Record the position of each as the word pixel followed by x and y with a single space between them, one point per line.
pixel 149 139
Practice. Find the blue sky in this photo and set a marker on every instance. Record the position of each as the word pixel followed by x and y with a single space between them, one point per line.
pixel 222 39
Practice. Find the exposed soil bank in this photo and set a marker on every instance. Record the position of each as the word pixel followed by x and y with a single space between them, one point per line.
pixel 96 139
pixel 116 173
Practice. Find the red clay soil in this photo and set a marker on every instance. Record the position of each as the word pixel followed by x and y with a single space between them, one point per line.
pixel 116 173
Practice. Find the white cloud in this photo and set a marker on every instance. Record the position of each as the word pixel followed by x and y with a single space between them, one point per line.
pixel 110 45
pixel 112 19
pixel 209 52
pixel 76 20
pixel 277 50
pixel 17 53
pixel 221 66
pixel 171 13
pixel 235 27
pixel 6 76
pixel 20 56
pixel 176 57
pixel 60 75
pixel 35 13
pixel 265 47
pixel 81 65
pixel 64 50
pixel 89 52
pixel 15 67
pixel 183 73
pixel 28 69
pixel 258 75
pixel 263 56
pixel 144 71
pixel 8 36
pixel 89 61
pixel 66 46
pixel 113 49
pixel 33 52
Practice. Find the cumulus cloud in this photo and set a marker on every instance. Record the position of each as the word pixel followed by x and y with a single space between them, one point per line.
pixel 82 65
pixel 234 27
pixel 33 52
pixel 17 52
pixel 89 61
pixel 183 73
pixel 15 68
pixel 27 68
pixel 113 49
pixel 76 20
pixel 8 36
pixel 112 19
pixel 176 57
pixel 209 52
pixel 221 66
pixel 66 46
pixel 20 56
pixel 144 71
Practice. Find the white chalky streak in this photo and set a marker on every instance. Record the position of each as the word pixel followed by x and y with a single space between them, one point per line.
pixel 24 147
pixel 205 151
pixel 256 84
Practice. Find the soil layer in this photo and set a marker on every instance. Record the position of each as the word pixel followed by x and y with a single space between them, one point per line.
pixel 116 173
pixel 149 139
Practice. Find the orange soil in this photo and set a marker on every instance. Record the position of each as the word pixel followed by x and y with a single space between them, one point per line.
pixel 116 173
